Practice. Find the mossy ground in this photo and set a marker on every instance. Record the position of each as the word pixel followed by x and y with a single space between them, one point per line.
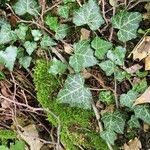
pixel 76 128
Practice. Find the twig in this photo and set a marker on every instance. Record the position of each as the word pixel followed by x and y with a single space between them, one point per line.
pixel 78 1
pixel 103 11
pixel 55 5
pixel 115 92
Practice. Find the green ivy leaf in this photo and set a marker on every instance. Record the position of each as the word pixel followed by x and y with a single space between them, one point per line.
pixel 114 121
pixel 143 112
pixel 57 67
pixel 19 145
pixel 109 136
pixel 117 55
pixel 108 67
pixel 25 61
pixel 61 31
pixel 106 97
pixel 134 122
pixel 2 75
pixel 26 6
pixel 36 34
pixel 8 57
pixel 74 92
pixel 21 31
pixel 6 34
pixel 52 22
pixel 30 46
pixel 2 147
pixel 140 87
pixel 63 11
pixel 83 56
pixel 47 42
pixel 89 14
pixel 121 75
pixel 68 1
pixel 101 46
pixel 128 99
pixel 142 74
pixel 127 23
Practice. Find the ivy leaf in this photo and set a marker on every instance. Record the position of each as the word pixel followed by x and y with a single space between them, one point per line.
pixel 128 99
pixel 57 67
pixel 6 34
pixel 68 1
pixel 63 11
pixel 26 6
pixel 83 56
pixel 8 57
pixel 89 14
pixel 114 121
pixel 2 147
pixel 21 31
pixel 127 23
pixel 143 112
pixel 140 87
pixel 36 34
pixel 108 67
pixel 109 136
pixel 117 56
pixel 74 92
pixel 19 145
pixel 106 97
pixel 101 46
pixel 121 75
pixel 134 122
pixel 25 61
pixel 61 31
pixel 30 46
pixel 52 22
pixel 47 42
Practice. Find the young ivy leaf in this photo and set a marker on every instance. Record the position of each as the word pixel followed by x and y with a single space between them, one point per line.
pixel 134 122
pixel 8 57
pixel 114 121
pixel 109 136
pixel 30 46
pixel 127 23
pixel 117 56
pixel 63 11
pixel 52 22
pixel 21 31
pixel 101 46
pixel 74 92
pixel 26 6
pixel 57 67
pixel 121 75
pixel 25 61
pixel 83 56
pixel 143 112
pixel 128 99
pixel 36 34
pixel 6 34
pixel 108 67
pixel 89 14
pixel 61 31
pixel 47 42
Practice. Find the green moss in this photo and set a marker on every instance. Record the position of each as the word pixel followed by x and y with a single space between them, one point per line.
pixel 7 134
pixel 76 128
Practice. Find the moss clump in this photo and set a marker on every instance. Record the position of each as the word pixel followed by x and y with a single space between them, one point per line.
pixel 76 128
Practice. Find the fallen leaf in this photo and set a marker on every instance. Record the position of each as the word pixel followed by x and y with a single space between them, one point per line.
pixel 86 74
pixel 147 63
pixel 133 145
pixel 68 48
pixel 144 98
pixel 142 50
pixel 133 68
pixel 31 137
pixel 110 108
pixel 146 127
pixel 85 34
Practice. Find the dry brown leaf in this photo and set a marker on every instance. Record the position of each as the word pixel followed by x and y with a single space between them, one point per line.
pixel 67 48
pixel 133 145
pixel 144 98
pixel 142 50
pixel 86 74
pixel 133 68
pixel 31 137
pixel 146 127
pixel 147 63
pixel 85 34
pixel 110 108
